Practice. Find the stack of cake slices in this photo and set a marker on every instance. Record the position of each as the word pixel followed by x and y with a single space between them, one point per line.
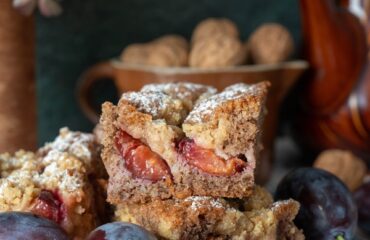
pixel 181 158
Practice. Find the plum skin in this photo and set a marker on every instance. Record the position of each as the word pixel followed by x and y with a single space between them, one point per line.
pixel 327 210
pixel 22 225
pixel 362 197
pixel 120 230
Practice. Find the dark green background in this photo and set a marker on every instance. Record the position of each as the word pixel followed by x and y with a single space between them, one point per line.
pixel 90 31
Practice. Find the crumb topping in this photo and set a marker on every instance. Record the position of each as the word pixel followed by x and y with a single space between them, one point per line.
pixel 184 91
pixel 59 166
pixel 153 103
pixel 62 171
pixel 21 159
pixel 83 146
pixel 76 143
pixel 204 201
pixel 18 190
pixel 204 108
pixel 157 104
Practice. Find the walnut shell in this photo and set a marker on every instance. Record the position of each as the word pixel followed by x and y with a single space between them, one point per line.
pixel 218 51
pixel 270 43
pixel 178 45
pixel 135 54
pixel 166 51
pixel 212 27
pixel 346 166
pixel 163 55
pixel 173 40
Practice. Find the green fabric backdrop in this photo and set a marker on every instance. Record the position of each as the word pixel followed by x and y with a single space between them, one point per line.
pixel 90 31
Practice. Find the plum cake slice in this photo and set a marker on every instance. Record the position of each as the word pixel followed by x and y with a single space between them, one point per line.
pixel 139 141
pixel 152 149
pixel 218 155
pixel 55 183
pixel 202 217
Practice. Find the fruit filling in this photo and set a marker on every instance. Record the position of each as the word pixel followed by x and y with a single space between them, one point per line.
pixel 50 206
pixel 139 159
pixel 207 161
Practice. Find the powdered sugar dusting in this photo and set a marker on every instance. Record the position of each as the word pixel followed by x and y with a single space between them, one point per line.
pixel 76 143
pixel 64 179
pixel 80 145
pixel 21 159
pixel 181 90
pixel 206 107
pixel 157 104
pixel 59 166
pixel 153 103
pixel 203 201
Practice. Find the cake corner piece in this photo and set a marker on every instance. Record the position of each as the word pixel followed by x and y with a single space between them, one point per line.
pixel 182 139
pixel 225 128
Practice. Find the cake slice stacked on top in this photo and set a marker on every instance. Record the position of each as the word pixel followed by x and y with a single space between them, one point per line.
pixel 182 139
pixel 181 158
pixel 218 155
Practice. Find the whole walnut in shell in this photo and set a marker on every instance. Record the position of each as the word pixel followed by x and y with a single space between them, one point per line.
pixel 163 55
pixel 179 48
pixel 167 51
pixel 270 43
pixel 212 27
pixel 136 54
pixel 173 40
pixel 346 166
pixel 218 51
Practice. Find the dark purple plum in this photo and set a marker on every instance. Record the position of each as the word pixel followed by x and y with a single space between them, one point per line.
pixel 362 198
pixel 120 231
pixel 327 210
pixel 27 226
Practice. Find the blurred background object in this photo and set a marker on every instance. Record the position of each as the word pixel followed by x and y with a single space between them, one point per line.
pixel 48 8
pixel 17 85
pixel 336 101
pixel 91 31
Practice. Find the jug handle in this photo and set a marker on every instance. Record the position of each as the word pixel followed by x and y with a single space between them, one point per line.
pixel 98 72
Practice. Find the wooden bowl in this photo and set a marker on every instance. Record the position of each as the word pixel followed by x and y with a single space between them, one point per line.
pixel 133 77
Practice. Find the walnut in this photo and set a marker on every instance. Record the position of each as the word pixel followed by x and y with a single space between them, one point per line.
pixel 135 54
pixel 212 27
pixel 177 49
pixel 173 40
pixel 166 56
pixel 346 166
pixel 270 43
pixel 167 51
pixel 217 51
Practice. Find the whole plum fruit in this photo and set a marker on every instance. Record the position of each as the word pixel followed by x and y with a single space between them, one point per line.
pixel 120 231
pixel 362 197
pixel 327 210
pixel 27 226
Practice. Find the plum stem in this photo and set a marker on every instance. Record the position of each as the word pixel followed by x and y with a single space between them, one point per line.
pixel 339 237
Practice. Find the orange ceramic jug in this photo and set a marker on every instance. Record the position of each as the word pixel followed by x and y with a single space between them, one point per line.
pixel 336 101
